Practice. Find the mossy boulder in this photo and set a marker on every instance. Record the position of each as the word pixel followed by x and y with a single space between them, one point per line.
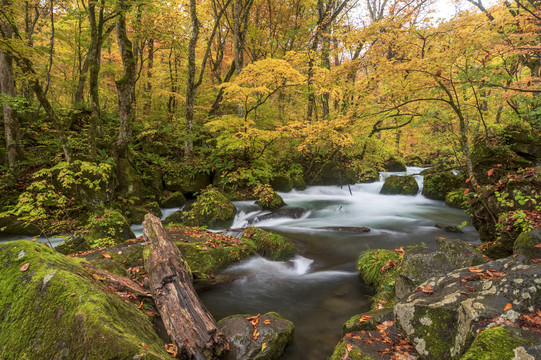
pixel 437 185
pixel 369 320
pixel 186 182
pixel 444 320
pixel 456 198
pixel 129 182
pixel 109 228
pixel 175 218
pixel 368 176
pixel 504 343
pixel 299 183
pixel 526 244
pixel 275 333
pixel 394 165
pixel 271 201
pixel 176 199
pixel 211 209
pixel 420 264
pixel 282 183
pixel 400 185
pixel 333 173
pixel 207 252
pixel 136 214
pixel 270 245
pixel 53 310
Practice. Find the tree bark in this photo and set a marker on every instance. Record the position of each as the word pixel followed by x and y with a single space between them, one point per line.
pixel 119 283
pixel 125 86
pixel 190 87
pixel 7 89
pixel 189 324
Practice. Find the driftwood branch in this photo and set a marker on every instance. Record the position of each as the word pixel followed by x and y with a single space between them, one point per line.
pixel 189 324
pixel 119 283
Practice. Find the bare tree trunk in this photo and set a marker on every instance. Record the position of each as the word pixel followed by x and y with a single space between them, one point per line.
pixel 189 324
pixel 190 87
pixel 126 85
pixel 7 89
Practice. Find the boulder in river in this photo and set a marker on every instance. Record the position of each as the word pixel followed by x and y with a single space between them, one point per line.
pixel 109 228
pixel 175 199
pixel 261 337
pixel 400 185
pixel 270 201
pixel 211 209
pixel 282 183
pixel 51 308
pixel 449 312
pixel 528 243
pixel 394 165
pixel 270 245
pixel 289 212
pixel 437 185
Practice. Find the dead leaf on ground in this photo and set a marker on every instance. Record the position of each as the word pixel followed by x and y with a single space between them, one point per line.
pixel 508 306
pixel 538 245
pixel 267 322
pixel 25 267
pixel 473 269
pixel 106 256
pixel 144 346
pixel 172 349
pixel 140 306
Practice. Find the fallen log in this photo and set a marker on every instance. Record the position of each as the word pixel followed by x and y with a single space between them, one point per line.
pixel 119 283
pixel 189 324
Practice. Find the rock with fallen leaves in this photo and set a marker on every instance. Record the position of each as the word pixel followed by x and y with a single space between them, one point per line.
pixel 421 264
pixel 443 323
pixel 261 337
pixel 529 244
pixel 367 320
pixel 56 309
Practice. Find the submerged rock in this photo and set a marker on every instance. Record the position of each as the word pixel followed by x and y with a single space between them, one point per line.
pixel 51 309
pixel 293 213
pixel 444 320
pixel 400 185
pixel 352 229
pixel 274 333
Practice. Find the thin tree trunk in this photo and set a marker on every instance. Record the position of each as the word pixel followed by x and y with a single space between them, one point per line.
pixel 190 87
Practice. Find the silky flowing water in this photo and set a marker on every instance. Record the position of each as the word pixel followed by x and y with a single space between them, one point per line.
pixel 319 288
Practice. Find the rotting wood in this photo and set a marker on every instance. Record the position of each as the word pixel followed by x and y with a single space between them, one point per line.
pixel 119 283
pixel 189 324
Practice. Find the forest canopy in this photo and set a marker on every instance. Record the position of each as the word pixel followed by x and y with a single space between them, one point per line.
pixel 243 90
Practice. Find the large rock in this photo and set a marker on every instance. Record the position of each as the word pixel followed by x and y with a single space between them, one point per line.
pixel 400 185
pixel 526 244
pixel 211 209
pixel 109 228
pixel 421 264
pixel 443 324
pixel 270 201
pixel 54 310
pixel 290 212
pixel 437 185
pixel 394 165
pixel 282 183
pixel 9 225
pixel 274 334
pixel 270 245
pixel 176 199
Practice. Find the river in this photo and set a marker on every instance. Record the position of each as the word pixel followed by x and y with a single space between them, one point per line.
pixel 319 289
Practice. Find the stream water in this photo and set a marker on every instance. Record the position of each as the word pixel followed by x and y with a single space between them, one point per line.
pixel 319 289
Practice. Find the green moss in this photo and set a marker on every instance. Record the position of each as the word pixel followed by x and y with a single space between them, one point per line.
pixel 282 183
pixel 437 185
pixel 377 316
pixel 400 185
pixel 270 245
pixel 431 324
pixel 370 265
pixel 176 199
pixel 53 309
pixel 354 354
pixel 456 198
pixel 526 242
pixel 109 228
pixel 211 209
pixel 272 203
pixel 495 343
